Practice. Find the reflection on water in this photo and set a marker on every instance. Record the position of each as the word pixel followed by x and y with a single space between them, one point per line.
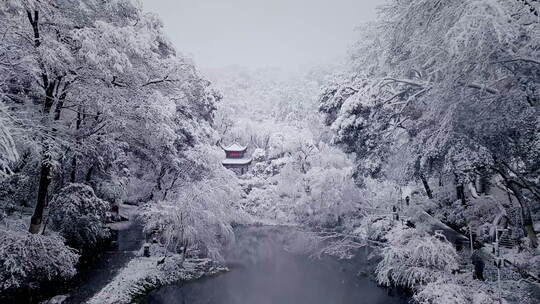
pixel 262 272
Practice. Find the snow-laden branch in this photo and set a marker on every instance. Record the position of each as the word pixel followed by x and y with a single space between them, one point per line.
pixel 423 85
pixel 405 81
pixel 528 60
pixel 483 88
pixel 157 81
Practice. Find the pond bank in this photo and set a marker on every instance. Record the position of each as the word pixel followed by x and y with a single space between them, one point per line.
pixel 121 274
pixel 262 271
pixel 143 274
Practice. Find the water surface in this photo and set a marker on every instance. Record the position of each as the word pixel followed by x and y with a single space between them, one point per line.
pixel 263 272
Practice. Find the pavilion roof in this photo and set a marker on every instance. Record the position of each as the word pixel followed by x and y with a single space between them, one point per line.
pixel 235 148
pixel 236 161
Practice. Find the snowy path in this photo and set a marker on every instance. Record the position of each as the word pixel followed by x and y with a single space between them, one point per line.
pixel 434 225
pixel 417 215
pixel 129 239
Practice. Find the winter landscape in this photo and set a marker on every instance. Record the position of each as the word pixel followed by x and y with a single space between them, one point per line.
pixel 270 152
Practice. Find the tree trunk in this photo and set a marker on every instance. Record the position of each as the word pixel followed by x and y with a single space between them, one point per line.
pixel 34 21
pixel 525 212
pixel 73 175
pixel 166 192
pixel 44 182
pixel 89 173
pixel 484 182
pixel 460 190
pixel 472 189
pixel 426 186
pixel 460 194
pixel 45 170
pixel 161 175
pixel 516 186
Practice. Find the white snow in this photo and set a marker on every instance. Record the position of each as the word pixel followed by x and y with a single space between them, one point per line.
pixel 236 161
pixel 143 274
pixel 235 148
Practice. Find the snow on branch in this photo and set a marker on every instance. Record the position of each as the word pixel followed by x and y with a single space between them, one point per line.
pixel 405 81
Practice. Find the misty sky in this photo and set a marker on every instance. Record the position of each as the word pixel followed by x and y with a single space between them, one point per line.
pixel 258 33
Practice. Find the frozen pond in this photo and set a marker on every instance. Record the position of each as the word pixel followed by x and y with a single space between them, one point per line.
pixel 263 272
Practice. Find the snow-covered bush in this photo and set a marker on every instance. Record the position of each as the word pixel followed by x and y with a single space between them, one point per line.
pixel 79 216
pixel 258 155
pixel 275 166
pixel 414 258
pixel 482 210
pixel 330 157
pixel 304 183
pixel 113 190
pixel 380 194
pixel 276 145
pixel 441 293
pixel 258 169
pixel 459 290
pixel 478 213
pixel 451 213
pixel 331 195
pixel 27 259
pixel 16 189
pixel 480 297
pixel 188 224
pixel 289 182
pixel 251 182
pixel 264 203
pixel 197 216
pixel 375 228
pixel 8 152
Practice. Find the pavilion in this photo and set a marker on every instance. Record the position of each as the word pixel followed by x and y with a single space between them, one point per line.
pixel 235 158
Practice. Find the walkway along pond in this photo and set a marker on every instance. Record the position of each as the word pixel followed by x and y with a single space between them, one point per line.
pixel 128 239
pixel 263 272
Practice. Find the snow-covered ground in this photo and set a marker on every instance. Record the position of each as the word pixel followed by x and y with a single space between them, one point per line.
pixel 145 273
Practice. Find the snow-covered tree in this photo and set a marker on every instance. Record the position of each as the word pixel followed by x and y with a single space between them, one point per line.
pixel 98 86
pixel 197 215
pixel 445 86
pixel 96 107
pixel 332 195
pixel 413 259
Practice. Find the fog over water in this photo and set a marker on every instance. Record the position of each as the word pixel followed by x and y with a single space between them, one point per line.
pixel 263 272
